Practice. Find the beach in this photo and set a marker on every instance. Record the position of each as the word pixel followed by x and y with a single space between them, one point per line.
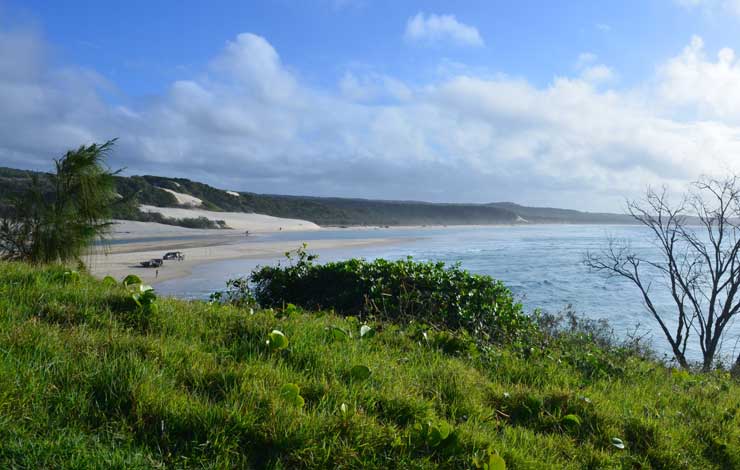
pixel 133 242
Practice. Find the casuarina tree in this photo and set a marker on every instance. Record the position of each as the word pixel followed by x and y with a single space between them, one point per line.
pixel 59 217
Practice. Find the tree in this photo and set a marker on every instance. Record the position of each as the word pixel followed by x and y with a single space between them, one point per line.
pixel 58 219
pixel 699 241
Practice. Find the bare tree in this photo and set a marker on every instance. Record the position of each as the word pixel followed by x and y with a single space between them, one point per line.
pixel 699 243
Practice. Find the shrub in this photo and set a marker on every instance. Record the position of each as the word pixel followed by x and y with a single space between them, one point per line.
pixel 200 222
pixel 400 291
pixel 237 293
pixel 187 222
pixel 589 345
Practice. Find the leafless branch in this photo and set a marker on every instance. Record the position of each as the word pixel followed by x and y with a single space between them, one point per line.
pixel 698 240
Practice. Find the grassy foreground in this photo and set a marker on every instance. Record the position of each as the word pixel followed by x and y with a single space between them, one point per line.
pixel 88 379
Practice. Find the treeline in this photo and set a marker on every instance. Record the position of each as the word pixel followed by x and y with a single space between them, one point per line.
pixel 326 211
pixel 333 211
pixel 131 191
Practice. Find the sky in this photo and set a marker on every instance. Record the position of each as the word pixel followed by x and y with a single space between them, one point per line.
pixel 575 104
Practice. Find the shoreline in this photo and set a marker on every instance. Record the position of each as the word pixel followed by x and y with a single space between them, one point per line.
pixel 133 242
pixel 459 226
pixel 122 257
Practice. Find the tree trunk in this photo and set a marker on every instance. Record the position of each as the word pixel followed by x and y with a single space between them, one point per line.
pixel 679 357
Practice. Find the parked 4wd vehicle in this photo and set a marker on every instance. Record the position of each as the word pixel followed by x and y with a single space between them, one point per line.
pixel 152 263
pixel 177 255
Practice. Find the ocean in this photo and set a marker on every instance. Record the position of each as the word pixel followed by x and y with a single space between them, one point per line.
pixel 541 264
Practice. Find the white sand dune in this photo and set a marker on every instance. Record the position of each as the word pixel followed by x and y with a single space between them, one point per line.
pixel 128 229
pixel 237 220
pixel 185 199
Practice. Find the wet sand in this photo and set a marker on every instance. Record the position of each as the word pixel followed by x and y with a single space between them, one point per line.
pixel 133 242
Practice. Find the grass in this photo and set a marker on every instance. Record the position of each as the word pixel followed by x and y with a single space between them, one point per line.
pixel 88 379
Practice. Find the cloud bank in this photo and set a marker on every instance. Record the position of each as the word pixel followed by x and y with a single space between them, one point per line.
pixel 437 28
pixel 247 122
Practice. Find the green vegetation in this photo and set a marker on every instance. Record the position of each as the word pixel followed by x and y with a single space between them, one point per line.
pixel 56 220
pixel 133 191
pixel 138 190
pixel 401 291
pixel 323 211
pixel 100 374
pixel 150 190
pixel 187 222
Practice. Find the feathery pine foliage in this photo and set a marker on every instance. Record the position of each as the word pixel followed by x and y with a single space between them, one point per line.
pixel 57 221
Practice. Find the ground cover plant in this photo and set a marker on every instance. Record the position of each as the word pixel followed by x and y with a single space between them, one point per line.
pixel 105 374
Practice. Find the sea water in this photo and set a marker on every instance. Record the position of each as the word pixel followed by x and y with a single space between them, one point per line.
pixel 542 265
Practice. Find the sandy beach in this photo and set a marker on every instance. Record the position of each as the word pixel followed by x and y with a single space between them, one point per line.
pixel 133 242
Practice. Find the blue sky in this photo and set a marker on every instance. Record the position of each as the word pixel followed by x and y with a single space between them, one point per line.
pixel 576 104
pixel 146 45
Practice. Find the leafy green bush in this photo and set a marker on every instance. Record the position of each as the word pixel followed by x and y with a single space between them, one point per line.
pixel 187 222
pixel 237 293
pixel 200 222
pixel 401 291
pixel 587 344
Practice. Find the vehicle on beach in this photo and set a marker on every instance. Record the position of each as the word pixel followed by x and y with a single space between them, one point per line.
pixel 152 263
pixel 174 255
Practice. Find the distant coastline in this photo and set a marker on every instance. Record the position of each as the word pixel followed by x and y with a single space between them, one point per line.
pixel 191 204
pixel 159 214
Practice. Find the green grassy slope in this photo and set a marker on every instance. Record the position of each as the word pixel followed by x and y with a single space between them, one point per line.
pixel 89 380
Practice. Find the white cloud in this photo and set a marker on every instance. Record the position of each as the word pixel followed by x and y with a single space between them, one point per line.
pixel 435 28
pixel 255 65
pixel 248 122
pixel 42 105
pixel 597 73
pixel 373 87
pixel 585 59
pixel 591 71
pixel 712 7
pixel 707 88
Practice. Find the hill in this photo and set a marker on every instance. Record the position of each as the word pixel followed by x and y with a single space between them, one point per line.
pixel 90 379
pixel 560 216
pixel 327 211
